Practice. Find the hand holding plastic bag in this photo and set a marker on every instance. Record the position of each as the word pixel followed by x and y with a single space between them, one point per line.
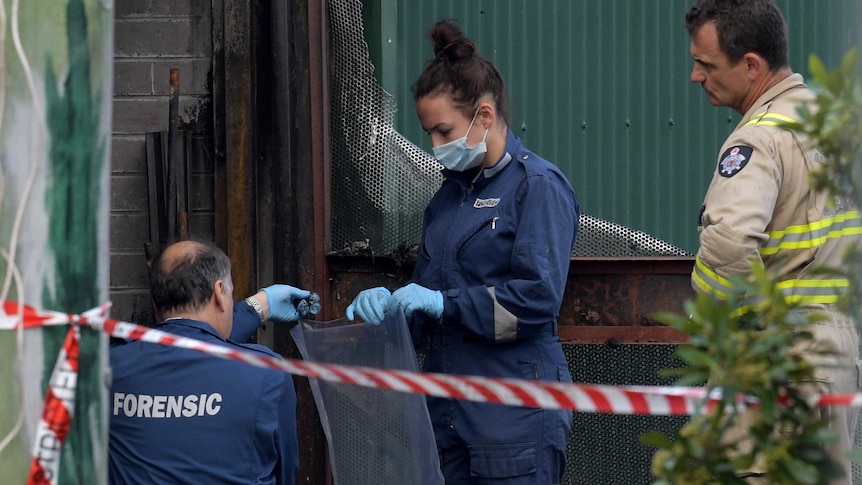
pixel 415 297
pixel 369 305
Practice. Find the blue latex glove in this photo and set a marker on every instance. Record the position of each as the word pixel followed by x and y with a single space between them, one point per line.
pixel 282 300
pixel 369 305
pixel 414 297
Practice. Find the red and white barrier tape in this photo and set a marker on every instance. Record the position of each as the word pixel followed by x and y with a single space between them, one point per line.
pixel 57 413
pixel 513 392
pixel 643 400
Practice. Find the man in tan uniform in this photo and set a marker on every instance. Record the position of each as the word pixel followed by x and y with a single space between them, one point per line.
pixel 760 207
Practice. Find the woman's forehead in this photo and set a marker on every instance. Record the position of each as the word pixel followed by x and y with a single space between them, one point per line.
pixel 437 109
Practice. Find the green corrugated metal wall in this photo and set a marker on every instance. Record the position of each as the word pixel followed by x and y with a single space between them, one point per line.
pixel 600 87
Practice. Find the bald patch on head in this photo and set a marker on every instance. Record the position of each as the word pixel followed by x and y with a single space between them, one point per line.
pixel 180 252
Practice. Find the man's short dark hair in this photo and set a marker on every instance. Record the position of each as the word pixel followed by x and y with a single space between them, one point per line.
pixel 185 280
pixel 744 26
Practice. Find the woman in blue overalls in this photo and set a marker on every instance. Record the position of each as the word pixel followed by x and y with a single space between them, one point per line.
pixel 488 284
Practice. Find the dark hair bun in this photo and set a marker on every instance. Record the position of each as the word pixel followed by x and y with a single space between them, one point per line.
pixel 450 43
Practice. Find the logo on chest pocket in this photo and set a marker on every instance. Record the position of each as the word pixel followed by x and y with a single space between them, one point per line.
pixel 486 203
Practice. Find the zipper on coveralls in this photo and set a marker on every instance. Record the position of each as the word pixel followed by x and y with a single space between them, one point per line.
pixel 464 192
pixel 445 367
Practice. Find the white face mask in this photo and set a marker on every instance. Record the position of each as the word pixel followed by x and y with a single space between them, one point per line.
pixel 456 156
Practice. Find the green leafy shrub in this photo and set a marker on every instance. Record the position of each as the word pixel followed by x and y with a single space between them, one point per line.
pixel 751 360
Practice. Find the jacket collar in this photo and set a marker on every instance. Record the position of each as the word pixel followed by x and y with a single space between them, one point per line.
pixel 196 324
pixel 793 81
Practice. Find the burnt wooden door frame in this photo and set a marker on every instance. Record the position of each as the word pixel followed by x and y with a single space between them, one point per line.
pixel 271 131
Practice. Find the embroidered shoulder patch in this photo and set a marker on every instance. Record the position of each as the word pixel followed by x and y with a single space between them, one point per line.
pixel 486 203
pixel 733 160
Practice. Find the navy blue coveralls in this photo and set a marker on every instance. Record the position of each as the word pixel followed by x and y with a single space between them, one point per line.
pixel 181 416
pixel 498 244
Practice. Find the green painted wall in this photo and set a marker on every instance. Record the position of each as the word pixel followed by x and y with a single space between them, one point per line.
pixel 600 87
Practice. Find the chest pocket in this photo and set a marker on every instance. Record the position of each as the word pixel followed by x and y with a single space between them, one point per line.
pixel 485 230
pixel 483 255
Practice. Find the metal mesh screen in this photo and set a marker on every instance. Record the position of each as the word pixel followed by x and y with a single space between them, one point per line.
pixel 601 238
pixel 381 182
pixel 603 448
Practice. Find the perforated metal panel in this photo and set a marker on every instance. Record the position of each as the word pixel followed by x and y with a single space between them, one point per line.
pixel 381 181
pixel 601 238
pixel 603 448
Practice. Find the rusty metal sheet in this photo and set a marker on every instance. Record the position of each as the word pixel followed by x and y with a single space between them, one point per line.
pixel 348 275
pixel 605 299
pixel 239 145
pixel 615 300
pixel 621 335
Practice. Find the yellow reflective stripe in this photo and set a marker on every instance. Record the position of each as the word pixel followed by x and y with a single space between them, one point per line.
pixel 807 291
pixel 709 281
pixel 836 285
pixel 798 299
pixel 769 119
pixel 811 300
pixel 815 241
pixel 803 292
pixel 805 236
pixel 765 122
pixel 822 223
pixel 742 310
pixel 821 291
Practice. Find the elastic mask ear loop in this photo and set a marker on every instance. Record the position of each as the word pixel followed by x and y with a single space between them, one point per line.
pixel 473 120
pixel 471 127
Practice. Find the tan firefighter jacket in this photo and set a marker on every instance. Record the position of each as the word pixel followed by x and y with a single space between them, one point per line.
pixel 760 207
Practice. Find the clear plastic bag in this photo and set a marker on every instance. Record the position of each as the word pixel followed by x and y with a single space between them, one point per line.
pixel 375 436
